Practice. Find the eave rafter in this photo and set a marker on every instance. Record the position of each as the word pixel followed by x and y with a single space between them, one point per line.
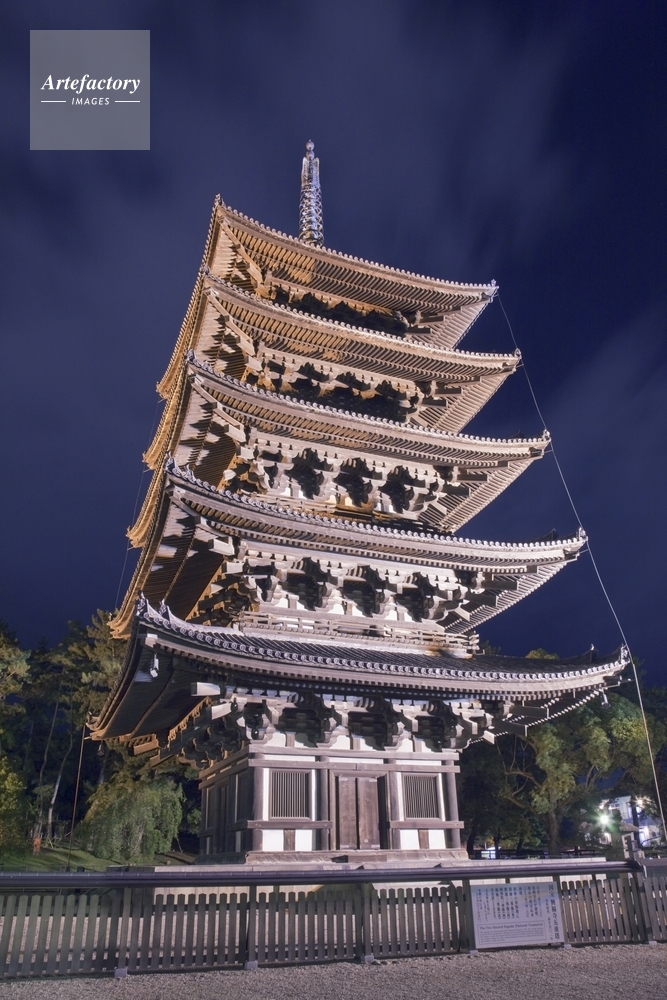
pixel 265 258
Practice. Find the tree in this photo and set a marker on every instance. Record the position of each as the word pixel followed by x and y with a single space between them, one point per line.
pixel 558 766
pixel 46 698
pixel 655 704
pixel 12 807
pixel 132 820
pixel 14 668
pixel 86 663
pixel 99 656
pixel 484 807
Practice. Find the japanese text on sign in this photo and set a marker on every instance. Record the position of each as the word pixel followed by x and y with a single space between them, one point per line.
pixel 509 916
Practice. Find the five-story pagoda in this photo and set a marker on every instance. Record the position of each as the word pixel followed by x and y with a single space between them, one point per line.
pixel 302 616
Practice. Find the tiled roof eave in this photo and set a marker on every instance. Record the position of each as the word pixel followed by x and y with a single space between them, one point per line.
pixel 336 256
pixel 531 550
pixel 517 446
pixel 219 644
pixel 321 322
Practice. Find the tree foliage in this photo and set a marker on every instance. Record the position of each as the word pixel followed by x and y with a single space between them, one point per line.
pixel 46 697
pixel 11 806
pixel 130 821
pixel 559 769
pixel 14 669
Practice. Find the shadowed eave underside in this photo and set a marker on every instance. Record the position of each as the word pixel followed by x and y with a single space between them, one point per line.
pixel 142 703
pixel 263 261
pixel 197 527
pixel 210 402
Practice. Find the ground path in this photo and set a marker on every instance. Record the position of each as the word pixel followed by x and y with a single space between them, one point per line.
pixel 592 973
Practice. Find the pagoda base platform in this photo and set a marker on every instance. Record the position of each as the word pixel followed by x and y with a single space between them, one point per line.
pixel 307 859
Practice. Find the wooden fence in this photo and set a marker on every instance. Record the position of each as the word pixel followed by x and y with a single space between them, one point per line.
pixel 85 932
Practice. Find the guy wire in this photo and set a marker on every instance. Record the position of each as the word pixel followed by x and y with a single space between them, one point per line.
pixel 76 797
pixel 598 575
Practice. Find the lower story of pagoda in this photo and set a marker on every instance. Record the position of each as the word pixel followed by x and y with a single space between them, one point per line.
pixel 280 803
pixel 327 750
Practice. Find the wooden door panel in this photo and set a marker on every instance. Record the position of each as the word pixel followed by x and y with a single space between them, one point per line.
pixel 368 814
pixel 346 802
pixel 358 809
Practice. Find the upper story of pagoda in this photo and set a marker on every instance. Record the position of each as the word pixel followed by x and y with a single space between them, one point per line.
pixel 325 387
pixel 294 359
pixel 315 282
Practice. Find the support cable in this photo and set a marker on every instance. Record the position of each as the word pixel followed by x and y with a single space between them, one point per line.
pixel 76 797
pixel 598 575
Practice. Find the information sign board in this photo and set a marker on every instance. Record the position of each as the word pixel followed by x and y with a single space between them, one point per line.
pixel 517 914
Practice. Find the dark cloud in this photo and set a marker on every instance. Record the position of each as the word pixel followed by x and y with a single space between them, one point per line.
pixel 519 141
pixel 608 424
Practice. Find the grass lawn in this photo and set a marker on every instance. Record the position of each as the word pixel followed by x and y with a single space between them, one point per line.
pixel 53 859
pixel 50 859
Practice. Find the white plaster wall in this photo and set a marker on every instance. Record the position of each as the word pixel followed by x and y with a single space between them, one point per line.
pixel 436 838
pixel 303 840
pixel 273 840
pixel 410 840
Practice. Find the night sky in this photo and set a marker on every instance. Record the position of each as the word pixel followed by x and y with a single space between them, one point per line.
pixel 521 141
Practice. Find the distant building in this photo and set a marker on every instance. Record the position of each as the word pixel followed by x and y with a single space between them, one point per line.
pixel 302 617
pixel 634 819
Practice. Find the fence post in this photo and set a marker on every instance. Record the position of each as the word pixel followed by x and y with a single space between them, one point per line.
pixel 124 928
pixel 640 900
pixel 564 916
pixel 251 962
pixel 366 949
pixel 468 917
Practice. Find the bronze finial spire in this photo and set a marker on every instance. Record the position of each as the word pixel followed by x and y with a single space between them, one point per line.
pixel 310 205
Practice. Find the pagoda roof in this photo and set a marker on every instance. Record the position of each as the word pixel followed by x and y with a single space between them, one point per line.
pixel 144 703
pixel 181 555
pixel 490 464
pixel 190 420
pixel 209 397
pixel 302 265
pixel 283 329
pixel 241 249
pixel 379 433
pixel 411 355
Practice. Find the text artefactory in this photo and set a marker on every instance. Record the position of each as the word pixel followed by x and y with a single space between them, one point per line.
pixel 86 82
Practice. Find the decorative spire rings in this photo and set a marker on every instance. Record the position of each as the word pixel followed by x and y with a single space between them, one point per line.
pixel 310 205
